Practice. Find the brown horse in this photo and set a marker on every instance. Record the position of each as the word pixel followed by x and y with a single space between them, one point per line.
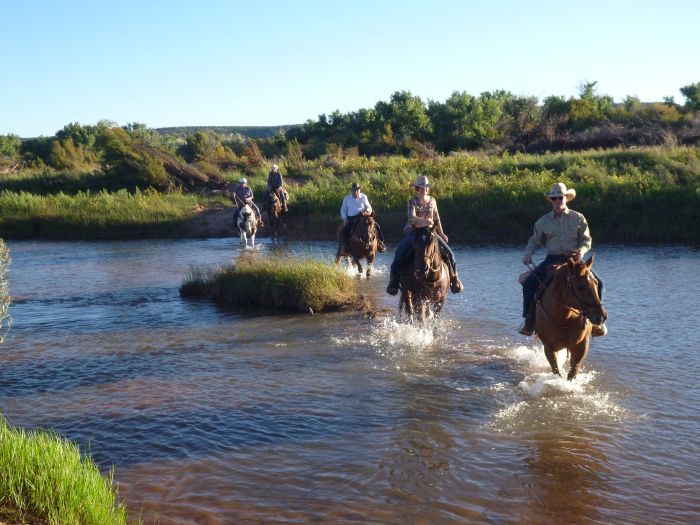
pixel 362 245
pixel 273 207
pixel 566 313
pixel 424 282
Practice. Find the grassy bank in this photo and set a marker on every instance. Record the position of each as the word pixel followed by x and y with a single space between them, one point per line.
pixel 101 215
pixel 640 195
pixel 282 283
pixel 45 477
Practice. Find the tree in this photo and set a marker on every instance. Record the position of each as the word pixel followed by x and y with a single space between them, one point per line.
pixel 691 92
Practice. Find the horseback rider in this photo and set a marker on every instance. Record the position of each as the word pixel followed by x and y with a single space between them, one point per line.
pixel 275 184
pixel 422 212
pixel 564 233
pixel 244 195
pixel 355 206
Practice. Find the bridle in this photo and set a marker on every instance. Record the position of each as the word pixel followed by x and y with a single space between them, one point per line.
pixel 580 305
pixel 371 234
pixel 427 259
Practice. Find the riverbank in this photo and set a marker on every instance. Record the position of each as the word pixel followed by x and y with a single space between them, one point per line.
pixel 640 195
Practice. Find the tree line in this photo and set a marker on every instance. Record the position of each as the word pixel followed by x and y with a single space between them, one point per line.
pixel 404 125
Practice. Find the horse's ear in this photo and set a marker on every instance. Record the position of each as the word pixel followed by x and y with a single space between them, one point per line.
pixel 590 261
pixel 571 263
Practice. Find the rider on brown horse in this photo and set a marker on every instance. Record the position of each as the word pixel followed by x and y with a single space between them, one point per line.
pixel 355 206
pixel 275 184
pixel 563 232
pixel 422 212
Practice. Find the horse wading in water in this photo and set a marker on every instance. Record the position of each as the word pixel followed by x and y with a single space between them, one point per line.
pixel 566 312
pixel 424 281
pixel 362 245
pixel 275 213
pixel 247 225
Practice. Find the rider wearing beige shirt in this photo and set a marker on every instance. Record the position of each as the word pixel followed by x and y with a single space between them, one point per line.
pixel 563 233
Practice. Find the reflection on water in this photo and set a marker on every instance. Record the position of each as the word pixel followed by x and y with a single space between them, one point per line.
pixel 211 416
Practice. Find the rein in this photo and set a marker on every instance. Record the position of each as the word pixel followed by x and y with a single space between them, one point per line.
pixel 569 290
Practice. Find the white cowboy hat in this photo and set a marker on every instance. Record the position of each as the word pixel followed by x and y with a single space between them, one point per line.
pixel 243 181
pixel 422 182
pixel 274 166
pixel 559 190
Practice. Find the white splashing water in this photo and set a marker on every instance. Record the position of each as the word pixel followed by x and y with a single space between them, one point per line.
pixel 351 270
pixel 543 399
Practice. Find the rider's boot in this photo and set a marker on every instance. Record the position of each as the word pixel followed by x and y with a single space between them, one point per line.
pixel 455 283
pixel 393 287
pixel 528 326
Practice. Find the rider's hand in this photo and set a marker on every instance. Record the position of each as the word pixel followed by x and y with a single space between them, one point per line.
pixel 429 223
pixel 444 238
pixel 527 260
pixel 576 255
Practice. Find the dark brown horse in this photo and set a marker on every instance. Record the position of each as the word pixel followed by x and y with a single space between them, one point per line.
pixel 274 209
pixel 424 282
pixel 362 245
pixel 566 313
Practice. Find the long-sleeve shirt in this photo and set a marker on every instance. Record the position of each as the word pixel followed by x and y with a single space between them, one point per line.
pixel 244 193
pixel 420 211
pixel 352 206
pixel 274 180
pixel 560 235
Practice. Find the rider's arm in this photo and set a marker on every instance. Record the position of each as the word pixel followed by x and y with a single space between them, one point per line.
pixel 367 205
pixel 436 220
pixel 585 239
pixel 537 239
pixel 344 210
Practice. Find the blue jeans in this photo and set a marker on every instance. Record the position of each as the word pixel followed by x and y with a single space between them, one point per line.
pixel 403 252
pixel 533 280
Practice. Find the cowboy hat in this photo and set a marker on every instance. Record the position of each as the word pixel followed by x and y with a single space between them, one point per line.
pixel 355 186
pixel 275 167
pixel 422 182
pixel 243 181
pixel 559 190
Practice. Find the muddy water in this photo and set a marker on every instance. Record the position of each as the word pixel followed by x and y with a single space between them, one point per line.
pixel 211 416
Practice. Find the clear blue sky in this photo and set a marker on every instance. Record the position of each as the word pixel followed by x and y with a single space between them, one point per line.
pixel 267 62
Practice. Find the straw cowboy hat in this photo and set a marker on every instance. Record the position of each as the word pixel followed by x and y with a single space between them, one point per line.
pixel 559 190
pixel 422 182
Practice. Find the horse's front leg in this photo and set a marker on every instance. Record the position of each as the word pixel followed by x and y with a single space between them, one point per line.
pixel 369 269
pixel 358 264
pixel 252 240
pixel 551 356
pixel 577 353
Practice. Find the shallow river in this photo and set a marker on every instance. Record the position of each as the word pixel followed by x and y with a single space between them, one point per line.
pixel 211 416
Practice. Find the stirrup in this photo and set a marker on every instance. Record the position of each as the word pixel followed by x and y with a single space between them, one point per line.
pixel 526 329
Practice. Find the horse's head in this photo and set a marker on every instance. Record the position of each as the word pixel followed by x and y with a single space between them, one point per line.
pixel 245 214
pixel 365 232
pixel 582 287
pixel 427 254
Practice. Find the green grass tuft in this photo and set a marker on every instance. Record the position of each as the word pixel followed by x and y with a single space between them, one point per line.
pixel 282 283
pixel 44 476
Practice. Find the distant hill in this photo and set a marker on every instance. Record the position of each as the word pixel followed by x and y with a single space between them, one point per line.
pixel 253 132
